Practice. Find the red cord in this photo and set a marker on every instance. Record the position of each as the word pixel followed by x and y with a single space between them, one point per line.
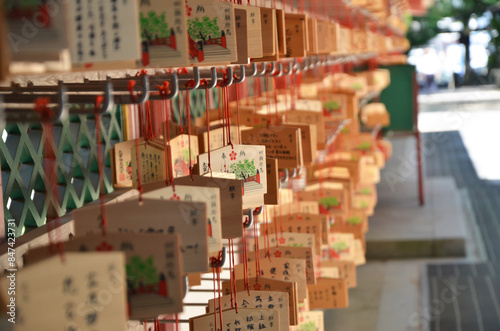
pixel 41 106
pixel 208 124
pixel 100 158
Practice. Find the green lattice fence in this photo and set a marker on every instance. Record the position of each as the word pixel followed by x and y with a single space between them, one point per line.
pixel 23 178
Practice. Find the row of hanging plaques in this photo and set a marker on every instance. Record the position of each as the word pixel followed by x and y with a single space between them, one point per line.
pixel 183 192
pixel 94 35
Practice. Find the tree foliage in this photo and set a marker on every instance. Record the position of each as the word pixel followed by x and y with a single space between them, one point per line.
pixel 243 169
pixel 204 28
pixel 142 271
pixel 153 25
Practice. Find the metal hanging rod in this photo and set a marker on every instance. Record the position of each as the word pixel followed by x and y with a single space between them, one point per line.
pixel 18 102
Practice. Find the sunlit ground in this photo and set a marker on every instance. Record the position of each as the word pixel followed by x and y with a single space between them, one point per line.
pixel 476 115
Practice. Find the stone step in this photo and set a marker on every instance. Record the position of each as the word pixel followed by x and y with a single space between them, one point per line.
pixel 401 228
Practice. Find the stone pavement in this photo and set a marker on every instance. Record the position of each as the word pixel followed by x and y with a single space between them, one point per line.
pixel 453 280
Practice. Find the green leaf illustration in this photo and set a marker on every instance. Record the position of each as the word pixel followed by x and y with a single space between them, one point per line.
pixel 142 271
pixel 354 220
pixel 153 25
pixel 328 202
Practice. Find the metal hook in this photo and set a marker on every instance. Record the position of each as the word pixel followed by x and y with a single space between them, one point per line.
pixel 196 74
pixel 304 65
pixel 284 176
pixel 121 84
pixel 222 260
pixel 185 285
pixel 106 105
pixel 249 218
pixel 173 86
pixel 258 210
pixel 253 72
pixel 279 72
pixel 240 79
pixel 296 66
pixel 272 68
pixel 262 72
pixel 229 77
pixel 289 71
pixel 26 114
pixel 311 63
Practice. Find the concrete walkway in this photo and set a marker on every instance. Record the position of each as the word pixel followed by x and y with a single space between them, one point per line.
pixel 451 245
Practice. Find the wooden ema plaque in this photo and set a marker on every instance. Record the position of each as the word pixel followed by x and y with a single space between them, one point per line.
pixel 308 136
pixel 310 320
pixel 230 201
pixel 154 270
pixel 117 23
pixel 282 143
pixel 86 292
pixel 208 195
pixel 340 247
pixel 298 227
pixel 269 285
pixel 273 185
pixel 312 30
pixel 268 28
pixel 211 32
pixel 347 271
pixel 241 29
pixel 258 300
pixel 151 162
pixel 332 197
pixel 340 225
pixel 188 219
pixel 328 293
pixel 247 162
pixel 309 117
pixel 296 35
pixel 244 319
pixel 254 30
pixel 164 40
pixel 323 219
pixel 289 239
pixel 305 253
pixel 293 270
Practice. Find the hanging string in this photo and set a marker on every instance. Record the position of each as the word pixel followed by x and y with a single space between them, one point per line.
pixel 188 114
pixel 100 162
pixel 231 288
pixel 275 88
pixel 205 82
pixel 245 259
pixel 131 85
pixel 275 226
pixel 233 278
pixel 219 262
pixel 164 91
pixel 257 250
pixel 268 105
pixel 50 169
pixel 267 244
pixel 215 299
pixel 237 88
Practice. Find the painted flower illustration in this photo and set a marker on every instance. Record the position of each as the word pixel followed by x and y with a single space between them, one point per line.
pixel 282 240
pixel 104 247
pixel 277 254
pixel 188 10
pixel 175 197
pixel 232 155
pixel 256 287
